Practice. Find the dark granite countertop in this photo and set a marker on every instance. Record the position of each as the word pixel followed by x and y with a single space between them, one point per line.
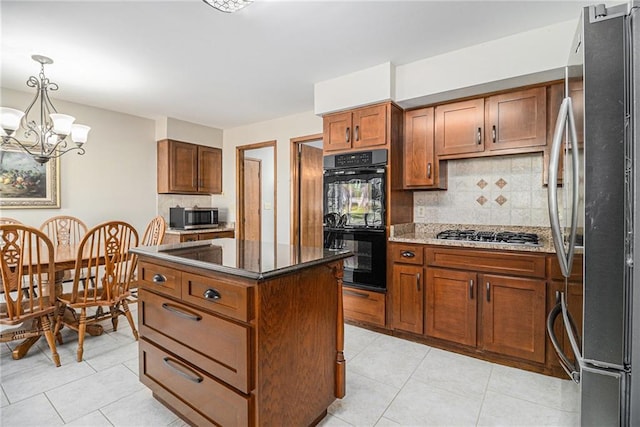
pixel 244 258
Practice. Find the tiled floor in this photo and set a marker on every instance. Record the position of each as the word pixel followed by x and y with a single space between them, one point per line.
pixel 390 382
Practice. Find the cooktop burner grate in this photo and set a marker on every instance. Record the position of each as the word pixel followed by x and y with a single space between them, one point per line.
pixel 510 237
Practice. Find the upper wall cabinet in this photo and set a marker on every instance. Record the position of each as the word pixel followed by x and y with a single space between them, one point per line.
pixel 185 168
pixel 517 119
pixel 356 129
pixel 507 123
pixel 460 127
pixel 421 169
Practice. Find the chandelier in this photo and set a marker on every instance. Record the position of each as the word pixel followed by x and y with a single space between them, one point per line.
pixel 228 6
pixel 46 138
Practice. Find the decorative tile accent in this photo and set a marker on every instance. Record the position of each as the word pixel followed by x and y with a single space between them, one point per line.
pixel 501 200
pixel 482 200
pixel 482 183
pixel 501 183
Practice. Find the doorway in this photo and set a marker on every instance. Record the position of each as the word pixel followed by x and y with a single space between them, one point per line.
pixel 306 191
pixel 256 192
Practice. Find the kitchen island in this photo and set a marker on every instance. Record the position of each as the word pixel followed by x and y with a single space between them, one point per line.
pixel 241 333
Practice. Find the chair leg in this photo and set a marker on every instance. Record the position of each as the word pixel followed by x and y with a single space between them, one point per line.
pixel 48 334
pixel 125 309
pixel 114 317
pixel 58 325
pixel 82 327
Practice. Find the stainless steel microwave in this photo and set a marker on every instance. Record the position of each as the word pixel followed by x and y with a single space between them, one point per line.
pixel 193 218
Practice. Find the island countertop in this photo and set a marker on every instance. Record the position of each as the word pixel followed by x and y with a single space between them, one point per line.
pixel 244 258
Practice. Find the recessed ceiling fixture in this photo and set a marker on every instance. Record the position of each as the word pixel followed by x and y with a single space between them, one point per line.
pixel 228 6
pixel 45 136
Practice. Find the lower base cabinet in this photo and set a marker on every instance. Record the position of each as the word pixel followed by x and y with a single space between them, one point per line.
pixel 484 302
pixel 364 306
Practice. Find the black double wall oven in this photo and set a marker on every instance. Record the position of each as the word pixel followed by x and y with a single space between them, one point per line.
pixel 354 215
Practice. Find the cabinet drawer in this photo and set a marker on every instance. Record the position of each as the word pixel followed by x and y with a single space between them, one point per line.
pixel 215 235
pixel 553 267
pixel 365 306
pixel 407 254
pixel 190 386
pixel 159 279
pixel 217 346
pixel 219 295
pixel 503 262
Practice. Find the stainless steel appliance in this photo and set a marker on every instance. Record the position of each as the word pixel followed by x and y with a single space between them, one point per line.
pixel 354 215
pixel 192 218
pixel 506 237
pixel 600 194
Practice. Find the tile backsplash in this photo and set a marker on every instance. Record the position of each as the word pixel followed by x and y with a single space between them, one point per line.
pixel 505 190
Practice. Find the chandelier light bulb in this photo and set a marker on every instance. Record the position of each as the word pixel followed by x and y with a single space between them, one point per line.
pixel 79 133
pixel 62 123
pixel 10 120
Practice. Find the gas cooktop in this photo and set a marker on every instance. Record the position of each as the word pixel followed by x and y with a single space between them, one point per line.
pixel 509 237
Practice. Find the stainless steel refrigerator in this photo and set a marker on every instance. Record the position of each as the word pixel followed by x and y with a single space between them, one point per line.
pixel 599 197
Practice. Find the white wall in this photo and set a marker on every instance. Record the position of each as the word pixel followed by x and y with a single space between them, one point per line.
pixel 525 58
pixel 281 130
pixel 115 179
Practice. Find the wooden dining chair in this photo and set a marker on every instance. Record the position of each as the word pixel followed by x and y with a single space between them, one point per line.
pixel 154 233
pixel 7 220
pixel 28 272
pixel 104 253
pixel 64 230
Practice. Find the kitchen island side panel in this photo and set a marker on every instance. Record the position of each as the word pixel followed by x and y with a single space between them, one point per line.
pixel 298 345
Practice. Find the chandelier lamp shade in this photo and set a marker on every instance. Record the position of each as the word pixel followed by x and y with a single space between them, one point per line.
pixel 228 6
pixel 45 136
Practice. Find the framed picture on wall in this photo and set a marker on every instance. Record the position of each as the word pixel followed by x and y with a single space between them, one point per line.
pixel 24 183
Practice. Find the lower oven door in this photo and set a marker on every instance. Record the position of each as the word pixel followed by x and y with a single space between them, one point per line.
pixel 367 268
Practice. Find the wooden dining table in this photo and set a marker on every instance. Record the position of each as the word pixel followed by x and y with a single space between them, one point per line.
pixel 64 260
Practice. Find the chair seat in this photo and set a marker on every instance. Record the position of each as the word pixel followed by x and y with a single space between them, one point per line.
pixel 26 313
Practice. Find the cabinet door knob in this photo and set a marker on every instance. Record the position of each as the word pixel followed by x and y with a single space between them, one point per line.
pixel 479 136
pixel 488 292
pixel 471 289
pixel 212 294
pixel 493 133
pixel 347 135
pixel 418 282
pixel 407 254
pixel 159 278
pixel 429 170
pixel 357 132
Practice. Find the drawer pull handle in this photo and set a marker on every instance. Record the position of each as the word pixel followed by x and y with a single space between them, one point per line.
pixel 479 136
pixel 181 313
pixel 488 292
pixel 493 133
pixel 408 254
pixel 471 289
pixel 418 282
pixel 212 294
pixel 357 133
pixel 355 294
pixel 429 170
pixel 175 366
pixel 159 278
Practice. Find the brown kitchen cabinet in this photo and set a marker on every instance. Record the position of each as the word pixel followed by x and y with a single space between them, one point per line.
pixel 185 168
pixel 459 127
pixel 363 306
pixel 505 290
pixel 421 168
pixel 511 122
pixel 222 349
pixel 452 305
pixel 517 119
pixel 407 287
pixel 513 316
pixel 192 237
pixel 357 129
pixel 574 291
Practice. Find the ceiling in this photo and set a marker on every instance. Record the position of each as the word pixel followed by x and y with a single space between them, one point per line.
pixel 186 60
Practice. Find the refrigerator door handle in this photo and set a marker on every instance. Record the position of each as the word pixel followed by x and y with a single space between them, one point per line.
pixel 570 327
pixel 573 370
pixel 565 256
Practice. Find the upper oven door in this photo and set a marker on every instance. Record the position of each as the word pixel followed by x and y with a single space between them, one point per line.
pixel 356 196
